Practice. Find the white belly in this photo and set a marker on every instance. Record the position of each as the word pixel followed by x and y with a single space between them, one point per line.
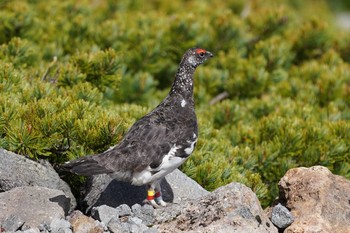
pixel 170 163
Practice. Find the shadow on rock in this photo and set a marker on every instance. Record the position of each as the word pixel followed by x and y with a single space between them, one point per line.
pixel 105 191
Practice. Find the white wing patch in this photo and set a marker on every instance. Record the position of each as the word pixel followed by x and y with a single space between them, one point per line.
pixel 170 163
pixel 190 149
pixel 183 103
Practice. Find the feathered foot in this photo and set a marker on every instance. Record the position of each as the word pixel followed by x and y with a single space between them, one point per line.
pixel 154 196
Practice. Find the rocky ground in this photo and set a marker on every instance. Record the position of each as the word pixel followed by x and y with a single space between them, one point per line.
pixel 33 198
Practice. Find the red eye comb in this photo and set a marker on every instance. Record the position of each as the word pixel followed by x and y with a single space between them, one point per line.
pixel 198 51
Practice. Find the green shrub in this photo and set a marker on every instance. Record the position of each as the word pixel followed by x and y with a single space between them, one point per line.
pixel 75 76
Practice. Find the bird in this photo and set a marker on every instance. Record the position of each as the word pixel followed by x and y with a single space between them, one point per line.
pixel 157 143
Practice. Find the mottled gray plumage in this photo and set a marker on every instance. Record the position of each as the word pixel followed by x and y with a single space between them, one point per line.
pixel 168 130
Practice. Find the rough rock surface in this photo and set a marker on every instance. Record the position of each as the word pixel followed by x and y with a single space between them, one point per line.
pixel 231 208
pixel 176 187
pixel 319 200
pixel 145 213
pixel 130 224
pixel 82 224
pixel 281 216
pixel 31 174
pixel 11 223
pixel 125 219
pixel 104 213
pixel 59 226
pixel 32 205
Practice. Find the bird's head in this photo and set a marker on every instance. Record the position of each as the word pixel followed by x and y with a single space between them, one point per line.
pixel 196 56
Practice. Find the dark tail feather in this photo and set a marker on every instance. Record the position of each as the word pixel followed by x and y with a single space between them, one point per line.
pixel 85 166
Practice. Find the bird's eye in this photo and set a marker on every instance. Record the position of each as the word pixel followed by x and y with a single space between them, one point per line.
pixel 201 52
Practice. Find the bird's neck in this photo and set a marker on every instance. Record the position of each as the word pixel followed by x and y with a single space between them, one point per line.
pixel 183 84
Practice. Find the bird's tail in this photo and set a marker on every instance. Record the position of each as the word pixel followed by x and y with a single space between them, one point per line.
pixel 85 166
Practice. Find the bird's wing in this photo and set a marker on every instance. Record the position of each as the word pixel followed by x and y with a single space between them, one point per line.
pixel 146 143
pixel 142 146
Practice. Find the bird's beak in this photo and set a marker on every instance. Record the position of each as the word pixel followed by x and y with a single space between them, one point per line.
pixel 210 54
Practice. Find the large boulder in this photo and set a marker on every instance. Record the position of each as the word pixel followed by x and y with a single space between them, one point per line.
pixel 30 206
pixel 18 171
pixel 231 208
pixel 102 189
pixel 319 200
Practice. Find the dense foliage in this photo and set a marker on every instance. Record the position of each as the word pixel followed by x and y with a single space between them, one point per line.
pixel 74 75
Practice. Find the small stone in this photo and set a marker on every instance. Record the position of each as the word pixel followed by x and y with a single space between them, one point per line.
pixel 115 225
pixel 81 223
pixel 12 223
pixel 126 224
pixel 60 226
pixel 26 227
pixel 105 213
pixel 136 208
pixel 136 225
pixel 135 220
pixel 281 216
pixel 31 230
pixel 123 210
pixel 145 213
pixel 44 228
pixel 151 230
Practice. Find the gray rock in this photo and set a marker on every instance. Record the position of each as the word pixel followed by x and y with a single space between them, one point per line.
pixel 136 225
pixel 11 223
pixel 115 225
pixel 32 174
pixel 126 224
pixel 281 216
pixel 151 230
pixel 44 227
pixel 136 208
pixel 34 205
pixel 168 214
pixel 125 219
pixel 123 210
pixel 232 208
pixel 104 213
pixel 102 189
pixel 31 230
pixel 181 187
pixel 60 226
pixel 145 213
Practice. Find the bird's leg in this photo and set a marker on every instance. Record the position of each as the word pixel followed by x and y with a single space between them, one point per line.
pixel 150 196
pixel 158 194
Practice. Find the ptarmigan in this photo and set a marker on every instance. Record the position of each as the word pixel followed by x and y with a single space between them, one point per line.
pixel 156 144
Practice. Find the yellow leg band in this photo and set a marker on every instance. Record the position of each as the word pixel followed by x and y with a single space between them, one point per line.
pixel 150 194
